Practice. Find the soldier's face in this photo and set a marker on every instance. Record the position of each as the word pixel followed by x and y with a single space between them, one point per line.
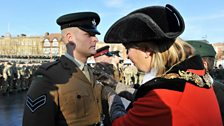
pixel 85 43
pixel 115 59
pixel 103 58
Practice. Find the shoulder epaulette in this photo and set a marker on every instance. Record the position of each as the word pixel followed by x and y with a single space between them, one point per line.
pixel 49 65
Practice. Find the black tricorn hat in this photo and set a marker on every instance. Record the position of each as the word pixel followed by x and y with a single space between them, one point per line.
pixel 153 23
pixel 87 21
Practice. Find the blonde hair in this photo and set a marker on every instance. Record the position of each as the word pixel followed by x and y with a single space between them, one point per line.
pixel 178 51
pixel 166 54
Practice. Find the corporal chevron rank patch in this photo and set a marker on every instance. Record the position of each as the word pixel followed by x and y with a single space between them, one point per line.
pixel 34 104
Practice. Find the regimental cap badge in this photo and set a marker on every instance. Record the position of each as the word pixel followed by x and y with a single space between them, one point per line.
pixel 94 22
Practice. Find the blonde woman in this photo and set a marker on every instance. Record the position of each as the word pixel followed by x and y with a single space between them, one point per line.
pixel 180 94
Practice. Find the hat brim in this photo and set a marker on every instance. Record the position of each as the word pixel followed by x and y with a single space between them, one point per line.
pixel 122 30
pixel 139 26
pixel 109 54
pixel 90 30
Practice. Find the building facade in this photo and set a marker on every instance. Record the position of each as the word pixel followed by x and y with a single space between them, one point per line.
pixel 40 48
pixel 50 46
pixel 219 48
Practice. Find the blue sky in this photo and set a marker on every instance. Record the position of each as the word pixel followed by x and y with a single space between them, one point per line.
pixel 204 19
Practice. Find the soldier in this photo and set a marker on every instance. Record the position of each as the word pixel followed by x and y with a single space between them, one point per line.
pixel 19 84
pixel 14 77
pixel 1 77
pixel 134 72
pixel 103 56
pixel 64 92
pixel 107 72
pixel 105 67
pixel 22 72
pixel 111 58
pixel 115 60
pixel 6 74
pixel 207 52
pixel 140 77
pixel 128 74
pixel 220 74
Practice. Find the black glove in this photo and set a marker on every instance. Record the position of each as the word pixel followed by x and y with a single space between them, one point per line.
pixel 100 72
pixel 106 80
pixel 107 92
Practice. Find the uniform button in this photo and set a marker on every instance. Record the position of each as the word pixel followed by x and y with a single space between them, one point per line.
pixel 78 96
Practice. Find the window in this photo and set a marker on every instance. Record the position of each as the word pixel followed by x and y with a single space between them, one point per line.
pixel 54 51
pixel 55 42
pixel 47 43
pixel 46 50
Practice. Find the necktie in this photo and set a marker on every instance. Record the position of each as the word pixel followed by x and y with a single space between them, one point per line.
pixel 86 72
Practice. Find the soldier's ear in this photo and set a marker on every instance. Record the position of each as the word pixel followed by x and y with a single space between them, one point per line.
pixel 205 65
pixel 68 37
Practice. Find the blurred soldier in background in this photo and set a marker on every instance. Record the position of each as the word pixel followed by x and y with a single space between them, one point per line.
pixel 127 72
pixel 6 75
pixel 107 72
pixel 115 60
pixel 207 52
pixel 220 66
pixel 3 85
pixel 219 74
pixel 104 70
pixel 103 56
pixel 13 77
pixel 140 77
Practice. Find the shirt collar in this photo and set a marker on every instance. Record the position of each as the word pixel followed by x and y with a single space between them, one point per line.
pixel 149 75
pixel 76 61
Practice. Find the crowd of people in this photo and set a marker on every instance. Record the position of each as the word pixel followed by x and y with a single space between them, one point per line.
pixel 176 86
pixel 15 77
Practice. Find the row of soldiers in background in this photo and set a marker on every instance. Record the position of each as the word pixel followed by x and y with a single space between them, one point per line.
pixel 129 74
pixel 124 72
pixel 15 77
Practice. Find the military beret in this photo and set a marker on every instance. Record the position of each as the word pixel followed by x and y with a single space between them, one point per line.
pixel 87 21
pixel 103 51
pixel 202 48
pixel 153 23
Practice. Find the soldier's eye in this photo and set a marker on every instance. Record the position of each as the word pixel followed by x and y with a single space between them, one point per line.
pixel 92 34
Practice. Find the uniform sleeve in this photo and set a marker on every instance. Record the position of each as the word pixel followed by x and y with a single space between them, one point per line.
pixel 147 111
pixel 40 104
pixel 219 92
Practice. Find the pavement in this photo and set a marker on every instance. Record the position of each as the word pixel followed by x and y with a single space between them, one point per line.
pixel 11 109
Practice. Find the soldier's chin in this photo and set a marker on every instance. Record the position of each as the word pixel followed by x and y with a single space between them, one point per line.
pixel 92 53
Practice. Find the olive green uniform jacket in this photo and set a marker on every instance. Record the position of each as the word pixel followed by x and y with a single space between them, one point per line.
pixel 61 95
